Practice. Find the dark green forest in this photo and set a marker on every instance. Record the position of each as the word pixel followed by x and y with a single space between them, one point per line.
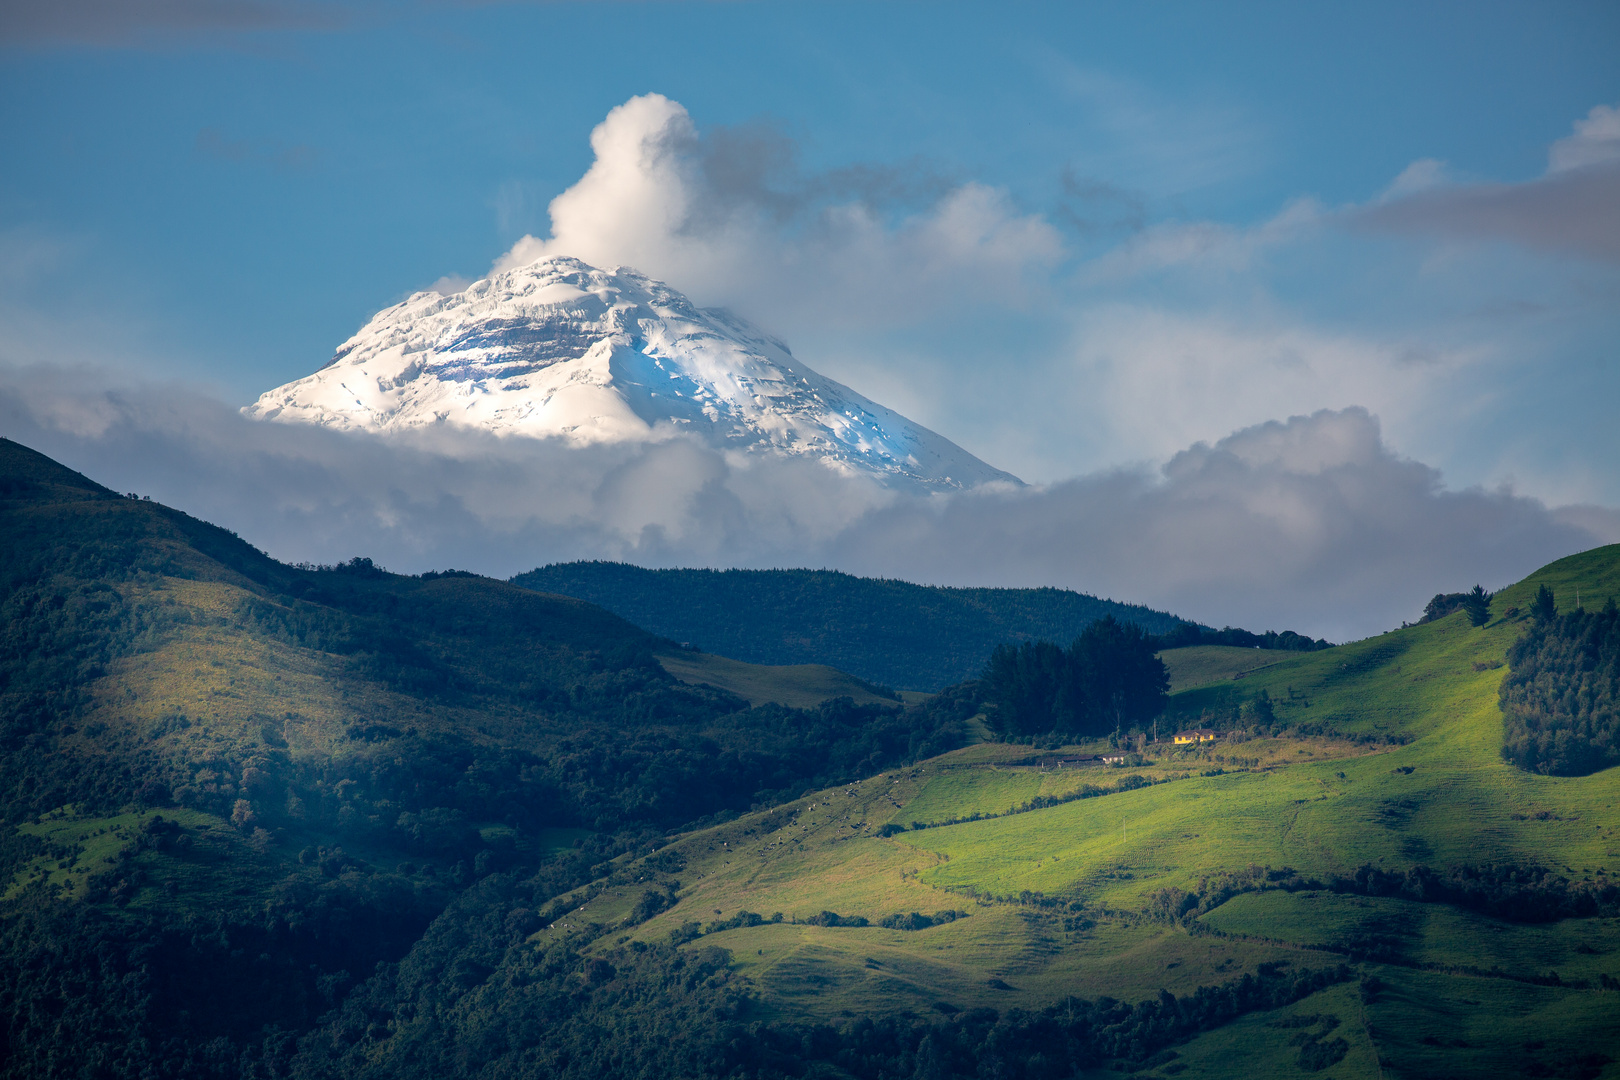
pixel 1187 634
pixel 1561 696
pixel 1107 680
pixel 910 637
pixel 459 723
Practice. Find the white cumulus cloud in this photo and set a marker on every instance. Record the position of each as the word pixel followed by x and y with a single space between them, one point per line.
pixel 728 217
pixel 1596 140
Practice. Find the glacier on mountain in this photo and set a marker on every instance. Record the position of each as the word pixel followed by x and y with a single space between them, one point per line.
pixel 561 349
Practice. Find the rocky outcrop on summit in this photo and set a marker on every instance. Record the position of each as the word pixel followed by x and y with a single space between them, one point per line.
pixel 560 349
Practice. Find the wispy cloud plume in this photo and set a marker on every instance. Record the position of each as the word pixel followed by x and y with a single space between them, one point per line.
pixel 728 215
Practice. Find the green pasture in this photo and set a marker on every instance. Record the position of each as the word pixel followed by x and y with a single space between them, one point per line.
pixel 1265 1046
pixel 1422 1025
pixel 996 958
pixel 1434 1026
pixel 1413 680
pixel 967 791
pixel 1592 577
pixel 95 844
pixel 214 865
pixel 212 685
pixel 1424 784
pixel 1197 665
pixel 1427 934
pixel 1460 803
pixel 800 686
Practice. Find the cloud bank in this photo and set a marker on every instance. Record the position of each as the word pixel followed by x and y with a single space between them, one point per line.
pixel 1573 208
pixel 1047 349
pixel 1312 524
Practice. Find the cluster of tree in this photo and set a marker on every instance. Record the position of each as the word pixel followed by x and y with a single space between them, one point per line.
pixel 142 993
pixel 692 930
pixel 1186 634
pixel 1108 680
pixel 1526 894
pixel 916 920
pixel 1561 697
pixel 423 792
pixel 915 637
pixel 1476 602
pixel 1316 1050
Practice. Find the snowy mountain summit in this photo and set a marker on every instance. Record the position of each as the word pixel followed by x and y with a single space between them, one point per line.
pixel 560 349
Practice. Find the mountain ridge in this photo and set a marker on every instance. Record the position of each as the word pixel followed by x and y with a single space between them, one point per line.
pixel 562 349
pixel 891 632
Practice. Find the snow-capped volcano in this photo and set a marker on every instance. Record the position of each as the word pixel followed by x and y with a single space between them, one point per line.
pixel 560 349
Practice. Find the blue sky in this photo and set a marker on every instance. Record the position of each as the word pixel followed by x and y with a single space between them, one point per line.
pixel 1185 219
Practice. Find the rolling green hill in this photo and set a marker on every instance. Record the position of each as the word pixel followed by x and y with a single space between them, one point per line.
pixel 1383 754
pixel 210 755
pixel 270 821
pixel 894 633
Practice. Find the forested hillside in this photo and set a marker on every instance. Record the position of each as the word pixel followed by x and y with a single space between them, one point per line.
pixel 207 751
pixel 268 821
pixel 1562 699
pixel 905 636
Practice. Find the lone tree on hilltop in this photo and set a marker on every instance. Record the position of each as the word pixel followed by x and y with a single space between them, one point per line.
pixel 1544 608
pixel 1478 606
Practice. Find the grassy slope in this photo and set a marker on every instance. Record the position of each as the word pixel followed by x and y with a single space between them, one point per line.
pixel 802 686
pixel 1333 807
pixel 216 865
pixel 204 679
pixel 1197 665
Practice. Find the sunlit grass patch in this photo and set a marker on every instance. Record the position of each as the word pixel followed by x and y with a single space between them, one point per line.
pixel 1268 1045
pixel 84 848
pixel 1197 665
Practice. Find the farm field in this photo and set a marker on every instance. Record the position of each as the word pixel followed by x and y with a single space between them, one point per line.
pixel 1389 758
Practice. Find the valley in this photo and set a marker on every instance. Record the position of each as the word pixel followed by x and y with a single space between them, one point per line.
pixel 1059 899
pixel 268 820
